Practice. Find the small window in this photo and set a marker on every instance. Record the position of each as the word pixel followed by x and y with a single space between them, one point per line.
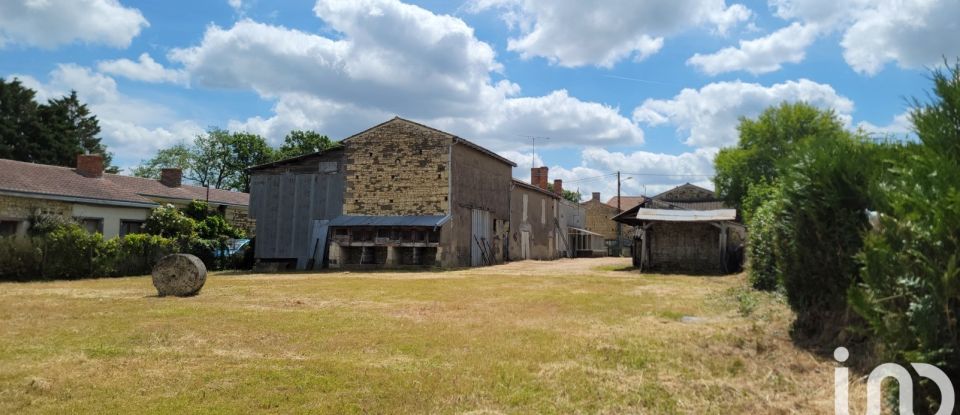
pixel 128 227
pixel 91 225
pixel 9 227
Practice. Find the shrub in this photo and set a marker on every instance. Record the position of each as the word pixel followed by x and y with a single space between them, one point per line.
pixel 68 252
pixel 762 272
pixel 42 224
pixel 169 222
pixel 137 253
pixel 197 210
pixel 215 226
pixel 910 294
pixel 20 258
pixel 819 229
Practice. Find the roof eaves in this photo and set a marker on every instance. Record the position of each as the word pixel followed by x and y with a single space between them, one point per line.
pixel 535 188
pixel 80 199
pixel 295 158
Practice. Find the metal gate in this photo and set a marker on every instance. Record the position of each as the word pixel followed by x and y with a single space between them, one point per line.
pixel 481 245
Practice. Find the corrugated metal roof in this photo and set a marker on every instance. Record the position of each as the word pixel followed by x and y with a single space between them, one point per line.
pixel 583 231
pixel 358 220
pixel 676 215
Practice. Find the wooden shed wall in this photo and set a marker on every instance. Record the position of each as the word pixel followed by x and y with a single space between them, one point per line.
pixel 287 203
pixel 685 247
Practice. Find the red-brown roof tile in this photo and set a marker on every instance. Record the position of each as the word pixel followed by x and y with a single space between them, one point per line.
pixel 42 179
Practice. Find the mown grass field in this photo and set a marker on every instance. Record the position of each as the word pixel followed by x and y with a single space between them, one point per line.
pixel 569 336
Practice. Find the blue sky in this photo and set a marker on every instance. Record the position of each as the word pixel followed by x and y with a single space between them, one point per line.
pixel 650 88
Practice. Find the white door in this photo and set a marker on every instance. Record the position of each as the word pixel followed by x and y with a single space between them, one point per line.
pixel 481 243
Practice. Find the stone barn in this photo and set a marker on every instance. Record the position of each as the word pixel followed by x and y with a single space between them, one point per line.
pixel 397 194
pixel 685 229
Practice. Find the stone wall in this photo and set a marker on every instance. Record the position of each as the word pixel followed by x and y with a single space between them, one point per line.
pixel 598 218
pixel 12 207
pixel 397 168
pixel 240 218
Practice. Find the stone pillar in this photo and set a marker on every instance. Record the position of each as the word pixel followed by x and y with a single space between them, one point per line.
pixel 393 256
pixel 335 254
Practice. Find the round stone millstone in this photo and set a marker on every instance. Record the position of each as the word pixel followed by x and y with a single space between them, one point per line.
pixel 180 275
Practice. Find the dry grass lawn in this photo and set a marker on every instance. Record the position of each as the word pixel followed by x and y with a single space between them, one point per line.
pixel 568 336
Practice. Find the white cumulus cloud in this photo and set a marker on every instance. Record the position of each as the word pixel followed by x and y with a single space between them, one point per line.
pixel 578 33
pixel 144 69
pixel 710 115
pixel 50 23
pixel 389 58
pixel 762 55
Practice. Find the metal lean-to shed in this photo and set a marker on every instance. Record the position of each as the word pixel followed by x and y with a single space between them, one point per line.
pixel 677 240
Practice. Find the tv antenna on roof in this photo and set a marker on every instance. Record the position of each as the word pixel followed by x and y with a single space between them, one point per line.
pixel 533 147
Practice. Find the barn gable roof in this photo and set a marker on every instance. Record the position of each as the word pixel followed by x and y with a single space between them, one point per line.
pixel 456 139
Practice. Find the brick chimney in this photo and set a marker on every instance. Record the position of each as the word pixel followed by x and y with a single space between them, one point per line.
pixel 596 196
pixel 171 177
pixel 538 177
pixel 558 186
pixel 90 165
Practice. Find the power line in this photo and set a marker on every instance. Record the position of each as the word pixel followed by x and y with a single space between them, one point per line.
pixel 669 175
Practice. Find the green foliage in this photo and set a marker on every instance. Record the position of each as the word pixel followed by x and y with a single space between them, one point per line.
pixel 170 222
pixel 763 273
pixel 567 194
pixel 197 210
pixel 20 258
pixel 819 228
pixel 299 142
pixel 178 156
pixel 70 252
pixel 216 227
pixel 42 224
pixel 50 133
pixel 764 145
pixel 209 159
pixel 245 150
pixel 217 159
pixel 137 253
pixel 910 294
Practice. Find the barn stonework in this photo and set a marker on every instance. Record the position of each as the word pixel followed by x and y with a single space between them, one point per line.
pixel 397 194
pixel 398 169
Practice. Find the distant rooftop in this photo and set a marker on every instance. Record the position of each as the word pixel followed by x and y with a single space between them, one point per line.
pixel 35 180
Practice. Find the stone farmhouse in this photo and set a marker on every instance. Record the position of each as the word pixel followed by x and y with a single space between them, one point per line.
pixel 111 204
pixel 399 194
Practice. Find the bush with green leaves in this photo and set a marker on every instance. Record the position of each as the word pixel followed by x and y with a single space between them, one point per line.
pixel 20 258
pixel 819 228
pixel 910 294
pixel 44 223
pixel 170 222
pixel 761 236
pixel 70 252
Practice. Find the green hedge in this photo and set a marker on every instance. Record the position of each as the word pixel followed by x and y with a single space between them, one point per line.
pixel 69 252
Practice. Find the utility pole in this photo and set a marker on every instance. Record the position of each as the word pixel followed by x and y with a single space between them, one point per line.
pixel 619 248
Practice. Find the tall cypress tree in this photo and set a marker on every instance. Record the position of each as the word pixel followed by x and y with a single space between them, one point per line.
pixel 20 137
